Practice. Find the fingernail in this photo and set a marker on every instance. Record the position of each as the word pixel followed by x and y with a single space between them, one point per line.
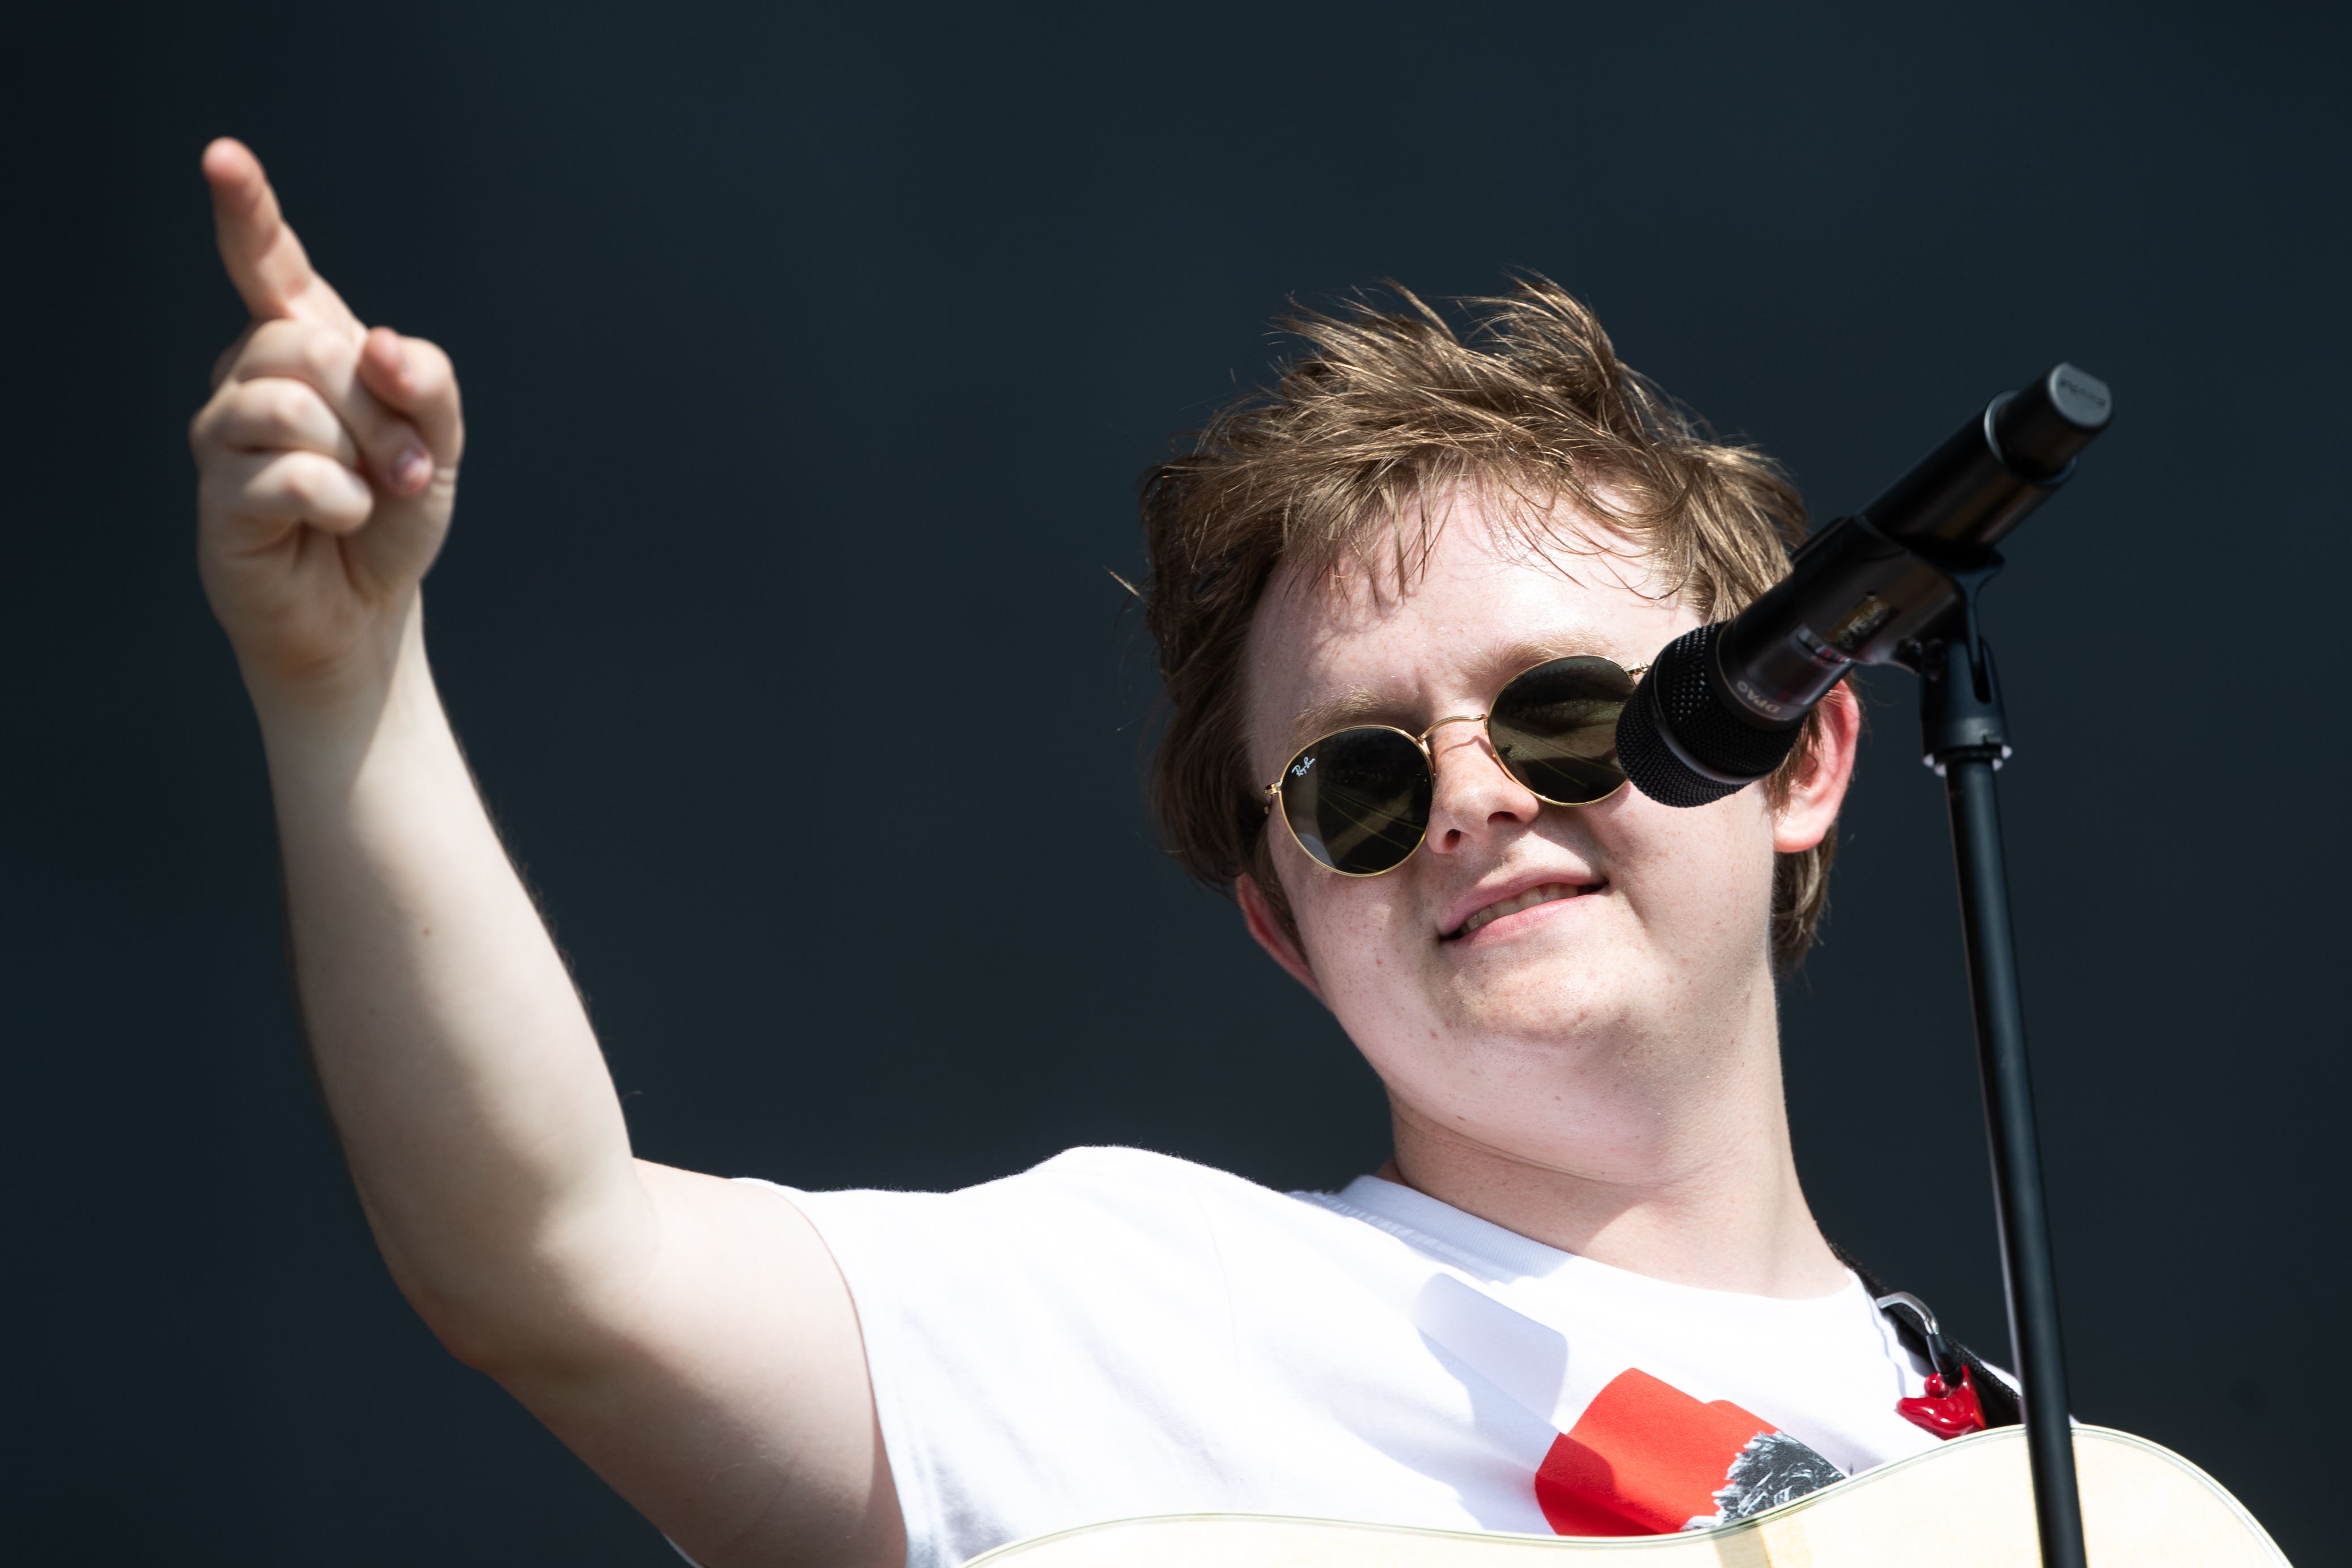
pixel 411 469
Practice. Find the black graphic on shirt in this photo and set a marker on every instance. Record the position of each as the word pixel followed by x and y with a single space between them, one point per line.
pixel 1772 1469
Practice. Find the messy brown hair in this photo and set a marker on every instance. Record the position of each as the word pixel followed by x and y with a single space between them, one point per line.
pixel 1387 408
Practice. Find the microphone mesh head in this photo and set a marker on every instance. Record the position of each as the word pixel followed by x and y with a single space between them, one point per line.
pixel 1677 740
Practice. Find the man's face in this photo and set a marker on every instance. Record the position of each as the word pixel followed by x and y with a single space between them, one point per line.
pixel 1631 938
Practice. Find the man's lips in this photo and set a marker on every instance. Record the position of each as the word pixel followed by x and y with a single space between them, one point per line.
pixel 1488 908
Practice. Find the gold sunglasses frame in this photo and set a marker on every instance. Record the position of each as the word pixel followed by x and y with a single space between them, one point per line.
pixel 1273 792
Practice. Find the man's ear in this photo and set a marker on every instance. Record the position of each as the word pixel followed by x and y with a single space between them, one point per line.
pixel 1266 930
pixel 1805 818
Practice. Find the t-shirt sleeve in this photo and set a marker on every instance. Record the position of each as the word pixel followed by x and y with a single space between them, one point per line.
pixel 1046 1351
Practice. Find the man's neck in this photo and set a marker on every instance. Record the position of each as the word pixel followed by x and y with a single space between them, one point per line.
pixel 1690 1181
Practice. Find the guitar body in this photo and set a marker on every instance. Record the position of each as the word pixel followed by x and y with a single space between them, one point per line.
pixel 1966 1505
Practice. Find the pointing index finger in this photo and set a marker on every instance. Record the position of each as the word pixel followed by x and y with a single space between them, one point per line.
pixel 265 260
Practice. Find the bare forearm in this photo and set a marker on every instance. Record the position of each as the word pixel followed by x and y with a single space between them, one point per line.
pixel 459 1064
pixel 691 1336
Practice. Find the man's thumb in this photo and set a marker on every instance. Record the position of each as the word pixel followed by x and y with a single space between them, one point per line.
pixel 414 378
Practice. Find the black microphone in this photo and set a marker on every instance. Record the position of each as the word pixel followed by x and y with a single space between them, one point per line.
pixel 1722 706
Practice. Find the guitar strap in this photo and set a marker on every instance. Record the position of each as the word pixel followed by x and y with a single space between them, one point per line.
pixel 1997 1400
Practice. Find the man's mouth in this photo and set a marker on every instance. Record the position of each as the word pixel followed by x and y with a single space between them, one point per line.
pixel 1548 892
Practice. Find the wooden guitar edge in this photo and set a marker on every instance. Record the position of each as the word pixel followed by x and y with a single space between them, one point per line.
pixel 2196 1472
pixel 1983 1470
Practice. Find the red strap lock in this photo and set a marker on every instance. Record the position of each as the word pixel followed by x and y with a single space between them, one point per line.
pixel 1946 1411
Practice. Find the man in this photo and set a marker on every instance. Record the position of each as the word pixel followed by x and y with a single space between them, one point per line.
pixel 1396 601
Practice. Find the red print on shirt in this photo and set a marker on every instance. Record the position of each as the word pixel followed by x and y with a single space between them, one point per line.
pixel 1646 1458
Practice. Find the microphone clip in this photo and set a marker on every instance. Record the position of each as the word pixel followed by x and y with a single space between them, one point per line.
pixel 1960 713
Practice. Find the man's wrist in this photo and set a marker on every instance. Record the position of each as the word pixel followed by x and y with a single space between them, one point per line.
pixel 343 709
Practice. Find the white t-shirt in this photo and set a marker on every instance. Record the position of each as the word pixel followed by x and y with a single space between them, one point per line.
pixel 1117 1334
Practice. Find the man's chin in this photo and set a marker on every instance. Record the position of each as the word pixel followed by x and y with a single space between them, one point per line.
pixel 1550 1006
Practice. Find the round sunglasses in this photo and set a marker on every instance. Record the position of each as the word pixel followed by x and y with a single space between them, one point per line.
pixel 1358 799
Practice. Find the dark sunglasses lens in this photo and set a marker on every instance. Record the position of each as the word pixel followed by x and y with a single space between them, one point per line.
pixel 1359 800
pixel 1555 729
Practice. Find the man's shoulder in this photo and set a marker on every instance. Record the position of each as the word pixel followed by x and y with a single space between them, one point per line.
pixel 1116 1175
pixel 1093 1234
pixel 1092 1190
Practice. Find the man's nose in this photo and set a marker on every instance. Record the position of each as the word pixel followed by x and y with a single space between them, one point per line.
pixel 1474 795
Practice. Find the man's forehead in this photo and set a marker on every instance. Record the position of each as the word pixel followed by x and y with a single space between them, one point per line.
pixel 1468 537
pixel 1348 649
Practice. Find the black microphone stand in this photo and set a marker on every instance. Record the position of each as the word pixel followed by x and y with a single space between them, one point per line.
pixel 1964 735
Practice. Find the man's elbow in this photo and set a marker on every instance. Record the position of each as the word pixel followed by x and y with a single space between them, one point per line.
pixel 509 1337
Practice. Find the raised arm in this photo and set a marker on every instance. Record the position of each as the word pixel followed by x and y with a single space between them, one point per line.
pixel 688 1337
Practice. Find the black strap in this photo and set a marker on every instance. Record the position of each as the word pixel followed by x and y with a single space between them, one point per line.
pixel 1993 1393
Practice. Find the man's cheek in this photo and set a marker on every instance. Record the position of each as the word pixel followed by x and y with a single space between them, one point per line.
pixel 1694 894
pixel 1353 917
pixel 1374 976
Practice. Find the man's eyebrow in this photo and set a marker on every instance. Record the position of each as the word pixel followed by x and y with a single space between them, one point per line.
pixel 1522 656
pixel 1358 705
pixel 1363 705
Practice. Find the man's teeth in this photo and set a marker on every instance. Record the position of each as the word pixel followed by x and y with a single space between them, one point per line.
pixel 1526 900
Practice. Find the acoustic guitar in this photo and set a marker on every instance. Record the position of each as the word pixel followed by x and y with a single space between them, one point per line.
pixel 1968 1504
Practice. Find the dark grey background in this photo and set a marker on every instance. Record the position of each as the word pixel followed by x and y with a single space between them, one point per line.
pixel 810 356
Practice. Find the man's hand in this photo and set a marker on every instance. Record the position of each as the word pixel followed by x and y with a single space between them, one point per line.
pixel 327 463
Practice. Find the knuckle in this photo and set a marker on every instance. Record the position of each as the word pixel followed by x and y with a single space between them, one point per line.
pixel 206 432
pixel 268 342
pixel 249 408
pixel 284 405
pixel 324 353
pixel 255 413
pixel 314 484
pixel 300 483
